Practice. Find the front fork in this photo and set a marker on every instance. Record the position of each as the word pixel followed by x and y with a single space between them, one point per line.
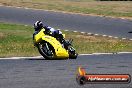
pixel 71 50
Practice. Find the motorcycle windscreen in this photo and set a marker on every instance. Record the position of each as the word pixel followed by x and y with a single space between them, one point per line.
pixel 60 52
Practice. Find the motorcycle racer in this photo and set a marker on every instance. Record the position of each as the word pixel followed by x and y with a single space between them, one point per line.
pixel 38 25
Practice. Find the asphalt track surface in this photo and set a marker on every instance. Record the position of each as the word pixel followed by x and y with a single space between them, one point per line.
pixel 92 24
pixel 39 73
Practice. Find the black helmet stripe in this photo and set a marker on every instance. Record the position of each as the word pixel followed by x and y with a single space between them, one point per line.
pixel 36 23
pixel 39 23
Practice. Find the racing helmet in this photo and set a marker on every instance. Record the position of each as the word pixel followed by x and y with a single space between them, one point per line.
pixel 38 25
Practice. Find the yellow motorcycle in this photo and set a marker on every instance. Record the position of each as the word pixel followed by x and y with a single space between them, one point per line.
pixel 51 48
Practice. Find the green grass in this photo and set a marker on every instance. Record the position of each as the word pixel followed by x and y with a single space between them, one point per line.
pixel 105 8
pixel 94 44
pixel 16 40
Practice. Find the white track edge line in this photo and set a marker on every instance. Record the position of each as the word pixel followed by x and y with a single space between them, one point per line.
pixel 68 12
pixel 13 58
pixel 67 30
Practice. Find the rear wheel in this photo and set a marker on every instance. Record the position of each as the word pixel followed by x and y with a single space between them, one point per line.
pixel 46 50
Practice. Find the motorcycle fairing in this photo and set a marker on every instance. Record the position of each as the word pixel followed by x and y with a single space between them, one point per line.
pixel 59 50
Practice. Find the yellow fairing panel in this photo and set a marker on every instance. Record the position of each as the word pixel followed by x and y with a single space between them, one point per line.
pixel 39 36
pixel 60 51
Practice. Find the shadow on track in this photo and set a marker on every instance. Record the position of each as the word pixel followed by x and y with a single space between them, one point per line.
pixel 44 59
pixel 130 32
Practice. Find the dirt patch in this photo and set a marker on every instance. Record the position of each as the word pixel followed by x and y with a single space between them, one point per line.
pixel 2 35
pixel 89 38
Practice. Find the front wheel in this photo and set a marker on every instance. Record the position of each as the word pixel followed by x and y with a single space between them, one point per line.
pixel 46 50
pixel 73 56
pixel 72 53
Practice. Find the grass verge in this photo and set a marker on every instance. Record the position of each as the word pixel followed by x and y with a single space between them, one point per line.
pixel 16 40
pixel 105 8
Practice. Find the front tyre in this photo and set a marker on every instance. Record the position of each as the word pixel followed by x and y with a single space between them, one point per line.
pixel 73 56
pixel 72 53
pixel 46 50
